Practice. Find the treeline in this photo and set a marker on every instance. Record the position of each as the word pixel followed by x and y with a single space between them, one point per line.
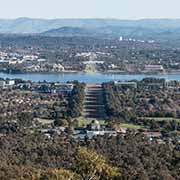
pixel 118 102
pixel 76 100
pixel 132 105
pixel 27 156
pixel 127 102
pixel 164 124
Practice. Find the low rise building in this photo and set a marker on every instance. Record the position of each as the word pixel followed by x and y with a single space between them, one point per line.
pixel 58 68
pixel 63 87
pixel 6 83
pixel 30 57
pixel 93 62
pixel 91 134
pixel 10 82
pixel 153 84
pixel 128 84
pixel 154 68
pixel 2 83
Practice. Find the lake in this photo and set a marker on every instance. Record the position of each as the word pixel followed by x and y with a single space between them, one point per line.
pixel 82 77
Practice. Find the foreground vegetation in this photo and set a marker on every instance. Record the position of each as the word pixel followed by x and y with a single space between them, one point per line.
pixel 27 156
pixel 33 150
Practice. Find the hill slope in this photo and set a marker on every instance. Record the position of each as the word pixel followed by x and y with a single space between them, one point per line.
pixel 28 25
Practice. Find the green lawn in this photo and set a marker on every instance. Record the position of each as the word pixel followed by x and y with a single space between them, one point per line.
pixel 131 126
pixel 90 68
pixel 83 122
pixel 162 119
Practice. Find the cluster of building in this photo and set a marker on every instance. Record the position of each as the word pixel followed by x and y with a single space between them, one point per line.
pixel 16 58
pixel 151 84
pixel 44 67
pixel 153 68
pixel 121 38
pixel 95 129
pixel 51 88
pixel 18 62
pixel 6 83
pixel 27 63
pixel 89 55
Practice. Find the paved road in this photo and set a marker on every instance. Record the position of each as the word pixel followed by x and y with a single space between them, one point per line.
pixel 94 102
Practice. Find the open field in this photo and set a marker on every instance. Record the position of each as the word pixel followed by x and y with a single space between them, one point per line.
pixel 90 68
pixel 162 119
pixel 131 126
pixel 44 121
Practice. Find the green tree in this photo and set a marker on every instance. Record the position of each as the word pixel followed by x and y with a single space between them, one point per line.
pixel 92 166
pixel 59 174
pixel 25 119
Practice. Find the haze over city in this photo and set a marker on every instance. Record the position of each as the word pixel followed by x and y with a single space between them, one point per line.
pixel 119 9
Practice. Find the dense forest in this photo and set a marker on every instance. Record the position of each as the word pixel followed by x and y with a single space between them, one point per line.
pixel 125 104
pixel 27 152
pixel 27 156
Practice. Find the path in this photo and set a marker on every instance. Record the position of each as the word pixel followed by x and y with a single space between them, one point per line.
pixel 94 102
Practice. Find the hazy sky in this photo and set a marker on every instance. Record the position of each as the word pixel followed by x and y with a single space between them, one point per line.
pixel 121 9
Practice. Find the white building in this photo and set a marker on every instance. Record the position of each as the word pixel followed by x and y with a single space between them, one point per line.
pixel 58 67
pixel 154 68
pixel 42 60
pixel 93 62
pixel 113 66
pixel 10 82
pixel 30 57
pixel 126 84
pixel 120 38
pixel 3 54
pixel 95 125
pixel 63 87
pixel 91 134
pixel 5 83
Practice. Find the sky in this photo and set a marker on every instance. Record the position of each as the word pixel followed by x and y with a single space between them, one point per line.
pixel 119 9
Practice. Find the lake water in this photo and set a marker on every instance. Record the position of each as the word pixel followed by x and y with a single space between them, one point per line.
pixel 82 77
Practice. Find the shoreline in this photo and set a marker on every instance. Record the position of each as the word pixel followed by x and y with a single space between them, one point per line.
pixel 88 78
pixel 93 73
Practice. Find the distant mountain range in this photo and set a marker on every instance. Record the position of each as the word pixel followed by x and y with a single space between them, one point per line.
pixel 70 32
pixel 116 32
pixel 92 27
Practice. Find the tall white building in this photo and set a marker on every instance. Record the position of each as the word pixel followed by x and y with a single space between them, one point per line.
pixel 120 38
